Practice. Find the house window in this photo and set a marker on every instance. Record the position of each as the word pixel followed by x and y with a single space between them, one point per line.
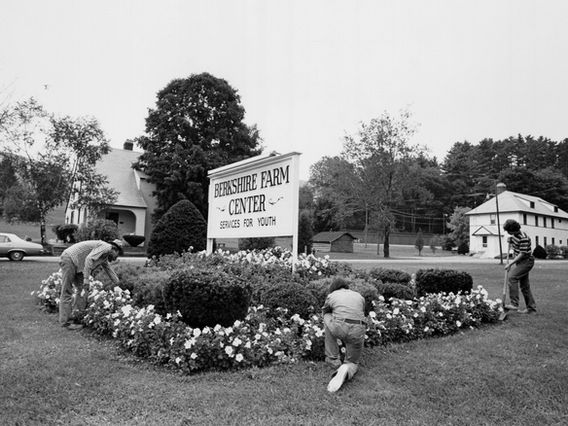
pixel 532 204
pixel 524 218
pixel 544 221
pixel 552 240
pixel 484 240
pixel 536 240
pixel 492 219
pixel 552 222
pixel 544 241
pixel 555 209
pixel 535 220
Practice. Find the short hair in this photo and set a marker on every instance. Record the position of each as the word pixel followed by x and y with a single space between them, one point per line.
pixel 338 283
pixel 511 226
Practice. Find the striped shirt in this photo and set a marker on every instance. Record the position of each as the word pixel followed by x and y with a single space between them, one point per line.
pixel 89 255
pixel 521 243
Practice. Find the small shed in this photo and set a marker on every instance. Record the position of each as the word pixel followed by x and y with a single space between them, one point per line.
pixel 333 242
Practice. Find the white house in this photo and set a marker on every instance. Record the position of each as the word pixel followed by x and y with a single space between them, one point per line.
pixel 135 203
pixel 542 221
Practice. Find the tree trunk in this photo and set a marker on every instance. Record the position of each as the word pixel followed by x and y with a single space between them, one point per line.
pixel 386 241
pixel 42 229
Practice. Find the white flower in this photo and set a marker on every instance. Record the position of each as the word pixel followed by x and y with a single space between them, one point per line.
pixel 395 311
pixel 196 332
pixel 193 355
pixel 126 310
pixel 239 357
pixel 228 350
pixel 247 345
pixel 459 324
pixel 216 328
pixel 188 344
pixel 237 342
pixel 178 360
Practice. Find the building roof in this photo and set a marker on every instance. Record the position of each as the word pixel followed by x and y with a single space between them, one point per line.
pixel 329 237
pixel 486 230
pixel 117 167
pixel 515 202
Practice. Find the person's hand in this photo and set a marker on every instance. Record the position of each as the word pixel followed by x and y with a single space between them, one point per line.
pixel 508 267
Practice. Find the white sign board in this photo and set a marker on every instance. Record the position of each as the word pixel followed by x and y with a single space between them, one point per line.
pixel 257 197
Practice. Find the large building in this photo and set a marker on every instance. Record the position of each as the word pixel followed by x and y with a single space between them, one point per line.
pixel 133 208
pixel 542 221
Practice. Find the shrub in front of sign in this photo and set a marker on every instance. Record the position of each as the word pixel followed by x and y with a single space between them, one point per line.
pixel 442 281
pixel 395 290
pixel 389 275
pixel 182 228
pixel 207 297
pixel 259 243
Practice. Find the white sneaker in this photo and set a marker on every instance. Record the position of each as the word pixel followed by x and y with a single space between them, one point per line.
pixel 337 381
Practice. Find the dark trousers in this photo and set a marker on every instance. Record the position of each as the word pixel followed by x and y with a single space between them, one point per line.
pixel 519 277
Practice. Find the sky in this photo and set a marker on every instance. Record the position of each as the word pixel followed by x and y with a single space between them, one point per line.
pixel 308 72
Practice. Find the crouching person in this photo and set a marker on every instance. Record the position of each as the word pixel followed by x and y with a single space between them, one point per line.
pixel 77 263
pixel 344 319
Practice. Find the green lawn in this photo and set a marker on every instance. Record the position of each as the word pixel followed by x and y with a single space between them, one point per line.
pixel 515 372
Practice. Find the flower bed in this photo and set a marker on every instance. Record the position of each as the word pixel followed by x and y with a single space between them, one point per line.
pixel 264 338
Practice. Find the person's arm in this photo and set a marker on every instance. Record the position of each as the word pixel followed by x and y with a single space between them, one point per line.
pixel 326 308
pixel 110 272
pixel 91 261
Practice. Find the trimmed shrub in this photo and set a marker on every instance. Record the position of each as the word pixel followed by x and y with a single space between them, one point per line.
pixel 260 243
pixel 539 252
pixel 292 296
pixel 463 248
pixel 97 229
pixel 66 232
pixel 207 297
pixel 134 240
pixel 395 290
pixel 179 229
pixel 305 233
pixel 447 243
pixel 553 252
pixel 564 251
pixel 442 281
pixel 390 275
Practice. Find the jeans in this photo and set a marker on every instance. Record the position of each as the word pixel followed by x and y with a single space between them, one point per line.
pixel 67 303
pixel 352 336
pixel 519 277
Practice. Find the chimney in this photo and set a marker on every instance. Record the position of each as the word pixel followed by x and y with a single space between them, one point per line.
pixel 128 145
pixel 501 187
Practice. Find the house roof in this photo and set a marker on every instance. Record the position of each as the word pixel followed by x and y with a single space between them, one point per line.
pixel 329 237
pixel 486 230
pixel 516 202
pixel 117 167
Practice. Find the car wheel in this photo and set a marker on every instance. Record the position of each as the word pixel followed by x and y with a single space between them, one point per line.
pixel 16 255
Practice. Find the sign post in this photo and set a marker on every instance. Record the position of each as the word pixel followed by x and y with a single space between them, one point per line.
pixel 256 197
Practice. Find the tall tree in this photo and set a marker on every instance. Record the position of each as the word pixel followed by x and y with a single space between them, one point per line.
pixel 380 153
pixel 197 125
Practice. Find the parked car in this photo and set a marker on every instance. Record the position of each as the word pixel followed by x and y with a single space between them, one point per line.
pixel 14 248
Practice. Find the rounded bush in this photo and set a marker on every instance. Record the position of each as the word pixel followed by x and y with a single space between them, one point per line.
pixel 463 248
pixel 539 252
pixel 207 297
pixel 97 229
pixel 65 233
pixel 442 281
pixel 179 229
pixel 292 296
pixel 390 275
pixel 395 290
pixel 553 252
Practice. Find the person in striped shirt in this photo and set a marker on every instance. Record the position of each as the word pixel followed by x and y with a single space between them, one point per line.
pixel 523 262
pixel 77 263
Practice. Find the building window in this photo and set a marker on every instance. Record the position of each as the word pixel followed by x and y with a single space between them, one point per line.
pixel 532 204
pixel 555 209
pixel 535 220
pixel 524 218
pixel 552 240
pixel 544 241
pixel 484 240
pixel 492 219
pixel 536 240
pixel 544 221
pixel 552 222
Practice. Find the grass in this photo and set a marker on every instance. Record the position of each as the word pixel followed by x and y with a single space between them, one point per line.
pixel 515 372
